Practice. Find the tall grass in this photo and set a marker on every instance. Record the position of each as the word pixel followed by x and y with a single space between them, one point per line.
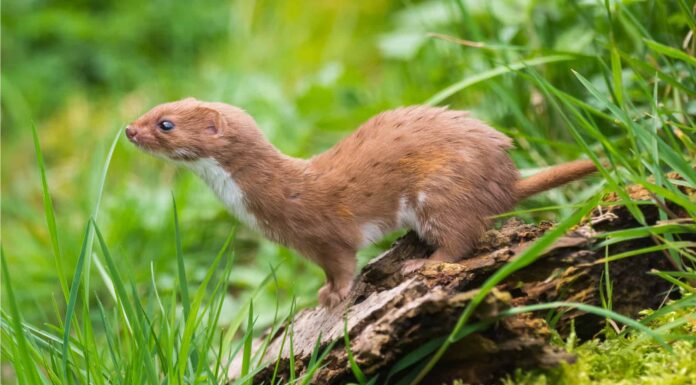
pixel 145 336
pixel 157 299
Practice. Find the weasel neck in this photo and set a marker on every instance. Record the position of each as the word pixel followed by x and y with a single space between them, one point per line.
pixel 253 183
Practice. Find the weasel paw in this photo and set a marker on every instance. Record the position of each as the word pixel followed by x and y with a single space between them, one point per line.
pixel 329 296
pixel 412 265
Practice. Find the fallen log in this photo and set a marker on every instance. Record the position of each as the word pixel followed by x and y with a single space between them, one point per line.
pixel 389 314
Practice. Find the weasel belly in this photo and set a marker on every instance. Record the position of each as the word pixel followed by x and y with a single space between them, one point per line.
pixel 408 215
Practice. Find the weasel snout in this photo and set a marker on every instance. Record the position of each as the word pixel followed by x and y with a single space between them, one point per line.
pixel 132 133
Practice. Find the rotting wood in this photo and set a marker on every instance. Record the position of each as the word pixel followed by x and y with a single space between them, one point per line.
pixel 389 315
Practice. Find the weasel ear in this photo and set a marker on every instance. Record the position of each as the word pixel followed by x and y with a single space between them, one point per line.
pixel 213 119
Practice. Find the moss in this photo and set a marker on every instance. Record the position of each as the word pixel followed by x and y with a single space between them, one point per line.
pixel 626 359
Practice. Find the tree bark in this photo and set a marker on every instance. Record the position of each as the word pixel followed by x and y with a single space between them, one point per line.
pixel 389 314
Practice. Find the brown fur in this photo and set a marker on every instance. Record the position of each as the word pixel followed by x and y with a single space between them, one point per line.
pixel 437 171
pixel 553 177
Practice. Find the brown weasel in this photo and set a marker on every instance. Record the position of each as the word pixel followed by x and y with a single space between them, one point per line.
pixel 436 171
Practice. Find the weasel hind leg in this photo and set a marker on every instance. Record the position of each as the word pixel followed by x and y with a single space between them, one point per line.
pixel 451 248
pixel 444 255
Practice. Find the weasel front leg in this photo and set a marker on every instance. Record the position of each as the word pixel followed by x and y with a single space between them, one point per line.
pixel 339 267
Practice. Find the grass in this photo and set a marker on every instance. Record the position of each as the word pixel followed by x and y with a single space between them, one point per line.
pixel 106 280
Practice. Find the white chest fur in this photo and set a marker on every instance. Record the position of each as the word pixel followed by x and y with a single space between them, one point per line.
pixel 225 187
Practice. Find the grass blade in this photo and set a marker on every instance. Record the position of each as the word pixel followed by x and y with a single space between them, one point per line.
pixel 616 76
pixel 132 318
pixel 26 366
pixel 183 284
pixel 49 213
pixel 95 215
pixel 359 375
pixel 671 52
pixel 492 73
pixel 316 361
pixel 70 311
pixel 246 354
pixel 605 313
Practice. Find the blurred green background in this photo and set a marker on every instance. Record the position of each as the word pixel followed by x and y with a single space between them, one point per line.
pixel 308 71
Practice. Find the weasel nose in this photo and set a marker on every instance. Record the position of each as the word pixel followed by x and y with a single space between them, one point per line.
pixel 131 132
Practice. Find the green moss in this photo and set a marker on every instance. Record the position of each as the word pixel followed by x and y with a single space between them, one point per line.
pixel 627 359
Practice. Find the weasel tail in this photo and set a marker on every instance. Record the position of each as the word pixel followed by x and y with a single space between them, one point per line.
pixel 553 177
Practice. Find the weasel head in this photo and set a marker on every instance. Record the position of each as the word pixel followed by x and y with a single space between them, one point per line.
pixel 190 129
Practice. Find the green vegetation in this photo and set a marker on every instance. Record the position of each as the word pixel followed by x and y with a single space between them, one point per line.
pixel 626 359
pixel 103 282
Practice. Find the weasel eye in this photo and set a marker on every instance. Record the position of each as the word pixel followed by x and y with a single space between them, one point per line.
pixel 165 125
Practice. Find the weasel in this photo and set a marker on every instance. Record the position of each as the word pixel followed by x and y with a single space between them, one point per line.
pixel 434 170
